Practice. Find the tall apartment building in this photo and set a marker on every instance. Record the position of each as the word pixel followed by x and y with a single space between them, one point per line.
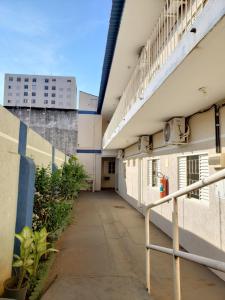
pixel 162 103
pixel 47 104
pixel 58 92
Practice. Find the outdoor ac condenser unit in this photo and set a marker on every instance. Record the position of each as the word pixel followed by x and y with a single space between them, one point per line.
pixel 120 154
pixel 174 131
pixel 144 145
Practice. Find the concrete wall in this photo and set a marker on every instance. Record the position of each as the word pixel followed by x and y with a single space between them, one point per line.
pixel 90 137
pixel 57 126
pixel 202 223
pixel 17 145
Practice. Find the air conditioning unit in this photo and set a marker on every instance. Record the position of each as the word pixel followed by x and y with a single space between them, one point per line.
pixel 217 160
pixel 174 132
pixel 144 144
pixel 120 154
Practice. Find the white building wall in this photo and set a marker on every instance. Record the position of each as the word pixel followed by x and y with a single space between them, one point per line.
pixel 24 90
pixel 202 223
pixel 89 137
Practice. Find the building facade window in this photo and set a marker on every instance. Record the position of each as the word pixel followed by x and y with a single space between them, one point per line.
pixel 53 80
pixel 34 80
pixel 45 101
pixel 33 101
pixel 9 101
pixel 25 86
pixel 46 94
pixel 9 87
pixel 53 88
pixel 69 80
pixel 46 80
pixel 111 167
pixel 53 95
pixel 191 169
pixel 26 79
pixel 155 171
pixel 18 79
pixel 33 94
pixel 25 93
pixel 46 87
pixel 25 100
pixel 10 78
pixel 53 102
pixel 193 174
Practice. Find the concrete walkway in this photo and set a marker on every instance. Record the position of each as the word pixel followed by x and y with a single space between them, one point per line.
pixel 102 257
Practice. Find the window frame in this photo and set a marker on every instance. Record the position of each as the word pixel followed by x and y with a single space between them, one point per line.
pixel 111 167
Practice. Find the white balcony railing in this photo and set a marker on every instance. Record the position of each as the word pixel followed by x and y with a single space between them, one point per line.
pixel 175 20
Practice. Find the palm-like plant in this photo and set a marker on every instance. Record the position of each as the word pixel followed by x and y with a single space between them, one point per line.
pixel 33 245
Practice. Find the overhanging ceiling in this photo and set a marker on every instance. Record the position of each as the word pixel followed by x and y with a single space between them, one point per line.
pixel 138 20
pixel 182 92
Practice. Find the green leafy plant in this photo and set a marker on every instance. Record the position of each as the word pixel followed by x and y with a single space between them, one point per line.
pixel 55 192
pixel 25 261
pixel 74 178
pixel 33 245
pixel 40 248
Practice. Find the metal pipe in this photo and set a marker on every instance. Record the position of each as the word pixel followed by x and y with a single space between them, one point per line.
pixel 217 128
pixel 197 185
pixel 204 261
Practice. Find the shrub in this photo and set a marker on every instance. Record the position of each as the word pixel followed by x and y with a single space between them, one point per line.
pixel 74 178
pixel 54 192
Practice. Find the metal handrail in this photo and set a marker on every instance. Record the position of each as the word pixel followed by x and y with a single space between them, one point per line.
pixel 175 252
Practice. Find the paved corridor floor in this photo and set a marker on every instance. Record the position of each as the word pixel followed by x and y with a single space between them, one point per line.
pixel 102 257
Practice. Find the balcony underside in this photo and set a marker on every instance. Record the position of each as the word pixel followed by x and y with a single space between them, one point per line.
pixel 195 84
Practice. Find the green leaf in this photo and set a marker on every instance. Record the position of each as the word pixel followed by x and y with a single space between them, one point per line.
pixel 26 232
pixel 19 237
pixel 18 263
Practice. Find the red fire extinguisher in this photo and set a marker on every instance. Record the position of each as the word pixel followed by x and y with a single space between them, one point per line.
pixel 164 186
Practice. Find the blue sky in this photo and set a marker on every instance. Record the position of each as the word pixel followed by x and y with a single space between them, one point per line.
pixel 60 37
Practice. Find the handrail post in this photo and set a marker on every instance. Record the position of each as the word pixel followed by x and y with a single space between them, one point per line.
pixel 147 250
pixel 176 259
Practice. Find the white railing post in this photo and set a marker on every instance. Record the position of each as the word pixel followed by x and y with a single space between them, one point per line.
pixel 176 259
pixel 147 242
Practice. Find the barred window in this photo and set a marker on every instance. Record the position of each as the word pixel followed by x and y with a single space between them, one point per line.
pixel 111 167
pixel 193 173
pixel 155 170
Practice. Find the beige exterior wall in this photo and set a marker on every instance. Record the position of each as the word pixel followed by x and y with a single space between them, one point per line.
pixel 202 223
pixel 90 137
pixel 41 152
pixel 87 101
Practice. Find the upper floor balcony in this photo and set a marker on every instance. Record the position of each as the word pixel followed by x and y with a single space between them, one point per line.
pixel 182 25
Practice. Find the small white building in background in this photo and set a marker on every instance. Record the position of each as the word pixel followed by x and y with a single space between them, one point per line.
pixel 40 91
pixel 162 100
